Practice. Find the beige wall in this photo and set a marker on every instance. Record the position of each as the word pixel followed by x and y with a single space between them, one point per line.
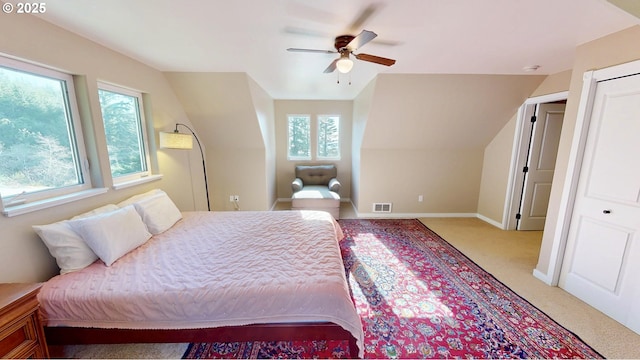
pixel 448 179
pixel 554 83
pixel 361 109
pixel 265 111
pixel 426 135
pixel 496 167
pixel 23 257
pixel 234 120
pixel 617 48
pixel 285 168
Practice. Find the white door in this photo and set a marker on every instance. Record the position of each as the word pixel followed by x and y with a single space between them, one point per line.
pixel 541 164
pixel 602 257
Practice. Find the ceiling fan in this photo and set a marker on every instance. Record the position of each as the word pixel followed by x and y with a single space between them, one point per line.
pixel 345 46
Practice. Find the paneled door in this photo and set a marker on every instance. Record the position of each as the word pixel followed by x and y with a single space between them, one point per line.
pixel 541 164
pixel 602 257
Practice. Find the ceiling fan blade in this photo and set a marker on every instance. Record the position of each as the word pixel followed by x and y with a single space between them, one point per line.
pixel 305 32
pixel 312 51
pixel 386 42
pixel 332 67
pixel 375 59
pixel 364 37
pixel 363 17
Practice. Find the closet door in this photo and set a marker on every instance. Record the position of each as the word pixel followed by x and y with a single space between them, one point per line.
pixel 602 258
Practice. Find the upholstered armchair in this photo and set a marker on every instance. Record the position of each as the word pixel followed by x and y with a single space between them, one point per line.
pixel 316 188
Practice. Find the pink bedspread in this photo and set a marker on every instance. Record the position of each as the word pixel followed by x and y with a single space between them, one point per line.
pixel 214 269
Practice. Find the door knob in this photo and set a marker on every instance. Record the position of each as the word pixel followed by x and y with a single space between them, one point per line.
pixel 606 211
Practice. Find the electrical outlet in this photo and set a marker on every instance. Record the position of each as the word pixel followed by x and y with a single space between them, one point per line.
pixel 420 198
pixel 230 198
pixel 236 198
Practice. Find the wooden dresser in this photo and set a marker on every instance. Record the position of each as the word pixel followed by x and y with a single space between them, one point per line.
pixel 21 333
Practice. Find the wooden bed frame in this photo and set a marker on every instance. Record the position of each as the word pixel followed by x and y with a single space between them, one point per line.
pixel 57 336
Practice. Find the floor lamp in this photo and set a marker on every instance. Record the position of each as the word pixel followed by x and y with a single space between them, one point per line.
pixel 176 140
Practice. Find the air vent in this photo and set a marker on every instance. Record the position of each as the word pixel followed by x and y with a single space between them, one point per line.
pixel 382 207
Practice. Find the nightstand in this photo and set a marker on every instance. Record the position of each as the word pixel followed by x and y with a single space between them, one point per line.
pixel 21 333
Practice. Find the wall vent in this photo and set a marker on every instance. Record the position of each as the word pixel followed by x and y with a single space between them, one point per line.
pixel 382 207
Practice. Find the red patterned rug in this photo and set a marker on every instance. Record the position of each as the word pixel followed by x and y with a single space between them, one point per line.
pixel 419 297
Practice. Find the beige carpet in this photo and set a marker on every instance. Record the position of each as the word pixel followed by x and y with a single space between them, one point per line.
pixel 510 256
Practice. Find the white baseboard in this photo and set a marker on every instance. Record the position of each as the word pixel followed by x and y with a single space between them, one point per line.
pixel 542 277
pixel 289 200
pixel 393 215
pixel 491 221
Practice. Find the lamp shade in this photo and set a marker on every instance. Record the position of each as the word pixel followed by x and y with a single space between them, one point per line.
pixel 345 64
pixel 175 140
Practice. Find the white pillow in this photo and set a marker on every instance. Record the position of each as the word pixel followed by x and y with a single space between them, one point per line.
pixel 66 246
pixel 111 235
pixel 96 211
pixel 158 212
pixel 139 197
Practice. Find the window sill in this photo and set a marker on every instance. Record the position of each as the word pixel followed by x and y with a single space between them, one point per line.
pixel 139 181
pixel 47 203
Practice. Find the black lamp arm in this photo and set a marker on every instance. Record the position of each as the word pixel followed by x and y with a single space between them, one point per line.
pixel 204 166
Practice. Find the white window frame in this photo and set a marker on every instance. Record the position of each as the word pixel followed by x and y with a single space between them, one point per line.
pixel 27 202
pixel 319 120
pixel 298 158
pixel 131 179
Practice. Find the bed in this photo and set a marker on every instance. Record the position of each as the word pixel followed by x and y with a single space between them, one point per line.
pixel 212 276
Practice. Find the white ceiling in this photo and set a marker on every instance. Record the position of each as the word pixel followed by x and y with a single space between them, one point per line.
pixel 424 36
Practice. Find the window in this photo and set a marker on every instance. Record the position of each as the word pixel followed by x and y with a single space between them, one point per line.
pixel 41 146
pixel 299 144
pixel 329 137
pixel 327 134
pixel 124 126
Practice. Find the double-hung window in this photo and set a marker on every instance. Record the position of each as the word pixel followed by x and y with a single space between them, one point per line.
pixel 326 137
pixel 125 131
pixel 299 137
pixel 42 153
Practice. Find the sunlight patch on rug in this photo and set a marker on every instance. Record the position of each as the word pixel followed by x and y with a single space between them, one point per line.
pixel 419 297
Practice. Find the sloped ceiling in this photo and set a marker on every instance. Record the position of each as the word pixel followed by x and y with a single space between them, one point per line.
pixel 424 36
pixel 437 111
pixel 221 107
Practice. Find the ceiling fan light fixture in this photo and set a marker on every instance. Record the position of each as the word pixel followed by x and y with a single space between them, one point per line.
pixel 344 65
pixel 344 45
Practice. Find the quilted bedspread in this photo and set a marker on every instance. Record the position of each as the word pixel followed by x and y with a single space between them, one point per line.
pixel 214 269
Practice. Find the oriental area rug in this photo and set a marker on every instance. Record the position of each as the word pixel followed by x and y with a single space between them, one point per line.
pixel 419 297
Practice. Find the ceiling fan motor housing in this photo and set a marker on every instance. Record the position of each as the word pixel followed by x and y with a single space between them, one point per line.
pixel 342 41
